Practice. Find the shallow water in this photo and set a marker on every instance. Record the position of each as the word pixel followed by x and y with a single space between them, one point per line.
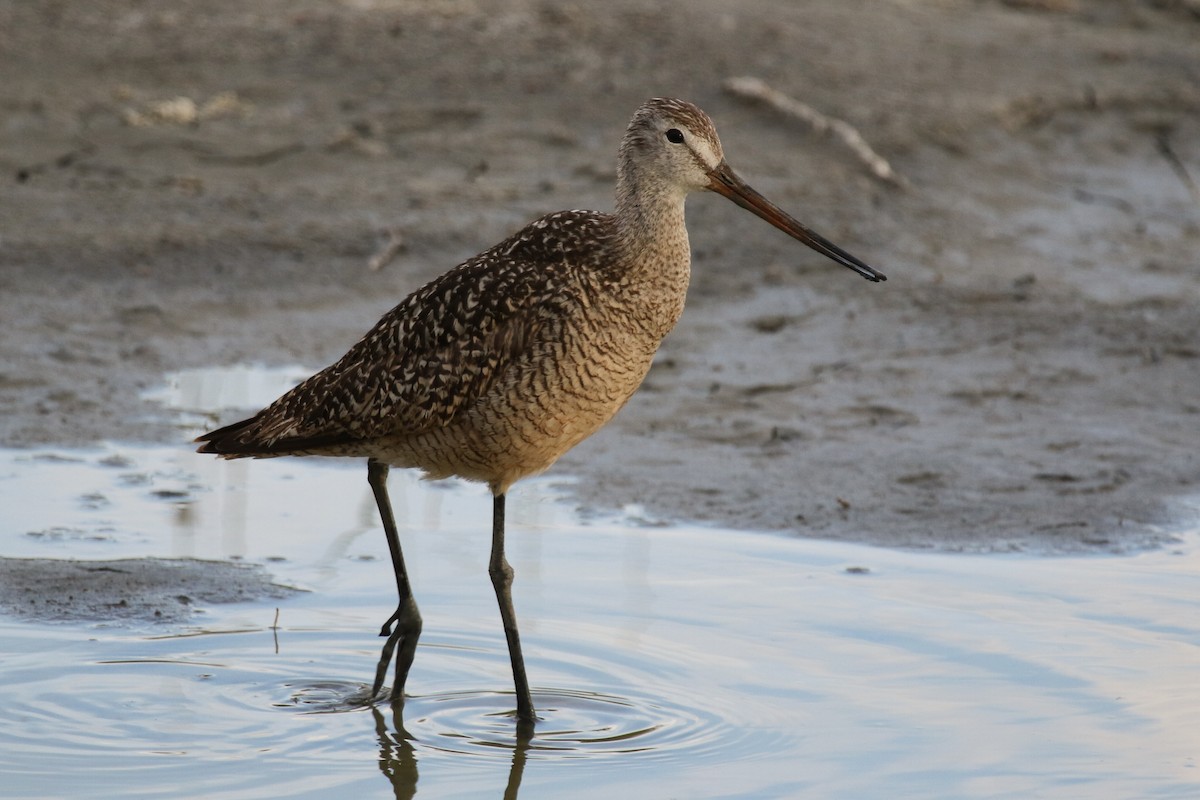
pixel 666 661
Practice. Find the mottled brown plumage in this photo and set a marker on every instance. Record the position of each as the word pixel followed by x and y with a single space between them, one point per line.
pixel 476 373
pixel 498 367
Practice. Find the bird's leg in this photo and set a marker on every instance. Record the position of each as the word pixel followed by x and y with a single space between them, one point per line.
pixel 502 577
pixel 406 617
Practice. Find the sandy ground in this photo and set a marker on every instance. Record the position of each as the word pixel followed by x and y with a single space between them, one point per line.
pixel 203 183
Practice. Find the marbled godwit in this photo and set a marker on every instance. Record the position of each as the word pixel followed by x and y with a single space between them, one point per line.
pixel 501 365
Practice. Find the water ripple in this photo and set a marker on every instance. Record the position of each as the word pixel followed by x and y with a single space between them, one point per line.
pixel 572 724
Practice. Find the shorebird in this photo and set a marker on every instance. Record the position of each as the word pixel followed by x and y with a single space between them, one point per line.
pixel 501 365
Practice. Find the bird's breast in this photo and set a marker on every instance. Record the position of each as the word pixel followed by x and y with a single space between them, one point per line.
pixel 574 378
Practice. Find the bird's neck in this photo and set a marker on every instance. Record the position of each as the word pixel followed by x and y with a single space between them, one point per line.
pixel 652 238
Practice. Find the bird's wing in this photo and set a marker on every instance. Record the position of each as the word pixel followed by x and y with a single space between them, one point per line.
pixel 428 358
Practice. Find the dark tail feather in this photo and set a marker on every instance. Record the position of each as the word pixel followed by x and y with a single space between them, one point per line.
pixel 239 440
pixel 227 441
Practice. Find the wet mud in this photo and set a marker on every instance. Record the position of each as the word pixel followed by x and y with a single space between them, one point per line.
pixel 209 183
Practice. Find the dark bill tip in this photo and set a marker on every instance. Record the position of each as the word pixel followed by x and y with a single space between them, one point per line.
pixel 724 181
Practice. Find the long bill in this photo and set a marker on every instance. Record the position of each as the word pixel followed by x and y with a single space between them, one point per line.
pixel 724 181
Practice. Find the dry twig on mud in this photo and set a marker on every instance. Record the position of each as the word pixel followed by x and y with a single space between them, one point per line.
pixel 755 89
pixel 388 252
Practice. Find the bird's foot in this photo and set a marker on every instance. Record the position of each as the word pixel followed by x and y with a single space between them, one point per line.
pixel 386 630
pixel 402 643
pixel 385 660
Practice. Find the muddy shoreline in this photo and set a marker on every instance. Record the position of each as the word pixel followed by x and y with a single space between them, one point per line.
pixel 1027 379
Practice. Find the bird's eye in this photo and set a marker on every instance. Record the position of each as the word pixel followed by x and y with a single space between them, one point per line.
pixel 675 136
